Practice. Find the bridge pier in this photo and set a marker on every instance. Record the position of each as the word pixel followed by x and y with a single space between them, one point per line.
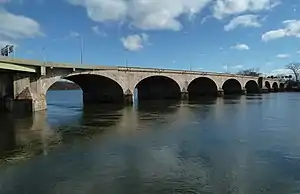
pixel 128 98
pixel 184 96
pixel 264 90
pixel 220 92
pixel 244 91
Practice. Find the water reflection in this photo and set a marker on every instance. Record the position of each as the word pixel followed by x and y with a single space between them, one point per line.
pixel 224 145
pixel 7 133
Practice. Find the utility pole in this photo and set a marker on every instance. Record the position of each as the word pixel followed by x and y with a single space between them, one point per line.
pixel 81 49
pixel 44 55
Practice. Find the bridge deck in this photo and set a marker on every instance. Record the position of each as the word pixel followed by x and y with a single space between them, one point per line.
pixel 33 65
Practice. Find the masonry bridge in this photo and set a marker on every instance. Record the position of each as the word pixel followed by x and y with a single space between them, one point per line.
pixel 28 81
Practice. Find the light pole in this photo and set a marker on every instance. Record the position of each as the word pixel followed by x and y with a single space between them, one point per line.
pixel 44 55
pixel 81 49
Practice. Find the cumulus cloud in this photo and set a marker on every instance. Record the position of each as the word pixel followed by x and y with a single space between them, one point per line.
pixel 241 47
pixel 18 26
pixel 143 14
pixel 223 8
pixel 243 21
pixel 291 29
pixel 14 27
pixel 135 42
pixel 282 56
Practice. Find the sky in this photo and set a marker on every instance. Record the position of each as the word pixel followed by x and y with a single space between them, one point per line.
pixel 206 35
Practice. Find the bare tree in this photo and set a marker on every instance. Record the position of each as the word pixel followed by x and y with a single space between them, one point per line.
pixel 249 72
pixel 295 67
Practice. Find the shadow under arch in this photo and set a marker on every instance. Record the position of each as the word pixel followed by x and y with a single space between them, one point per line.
pixel 202 87
pixel 97 88
pixel 232 87
pixel 268 85
pixel 158 88
pixel 275 87
pixel 252 87
pixel 281 87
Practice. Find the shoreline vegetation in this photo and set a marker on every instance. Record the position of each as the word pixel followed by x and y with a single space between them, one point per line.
pixel 63 85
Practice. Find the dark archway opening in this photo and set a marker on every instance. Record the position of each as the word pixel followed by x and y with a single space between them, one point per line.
pixel 275 87
pixel 268 85
pixel 202 87
pixel 252 87
pixel 158 88
pixel 89 89
pixel 98 89
pixel 6 91
pixel 232 87
pixel 282 87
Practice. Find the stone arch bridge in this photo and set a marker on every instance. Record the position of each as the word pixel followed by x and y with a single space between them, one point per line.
pixel 103 84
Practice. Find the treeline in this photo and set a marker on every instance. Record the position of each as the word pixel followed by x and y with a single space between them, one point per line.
pixel 63 85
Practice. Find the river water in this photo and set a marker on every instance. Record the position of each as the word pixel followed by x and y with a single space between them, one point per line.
pixel 244 145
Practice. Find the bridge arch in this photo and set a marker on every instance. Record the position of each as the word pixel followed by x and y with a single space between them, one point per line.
pixel 202 86
pixel 95 88
pixel 158 87
pixel 268 85
pixel 281 86
pixel 252 87
pixel 232 86
pixel 275 87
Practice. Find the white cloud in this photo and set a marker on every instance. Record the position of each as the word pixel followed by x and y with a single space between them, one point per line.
pixel 241 47
pixel 244 21
pixel 14 27
pixel 97 31
pixel 298 52
pixel 204 19
pixel 282 56
pixel 223 8
pixel 103 10
pixel 143 14
pixel 135 42
pixel 17 26
pixel 291 29
pixel 237 67
pixel 4 1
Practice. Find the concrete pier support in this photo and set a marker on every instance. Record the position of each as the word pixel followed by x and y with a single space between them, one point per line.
pixel 244 91
pixel 220 92
pixel 264 90
pixel 184 96
pixel 128 99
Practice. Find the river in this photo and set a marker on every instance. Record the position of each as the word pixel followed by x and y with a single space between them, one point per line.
pixel 240 145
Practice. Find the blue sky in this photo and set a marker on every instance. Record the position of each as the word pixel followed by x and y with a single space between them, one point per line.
pixel 211 35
